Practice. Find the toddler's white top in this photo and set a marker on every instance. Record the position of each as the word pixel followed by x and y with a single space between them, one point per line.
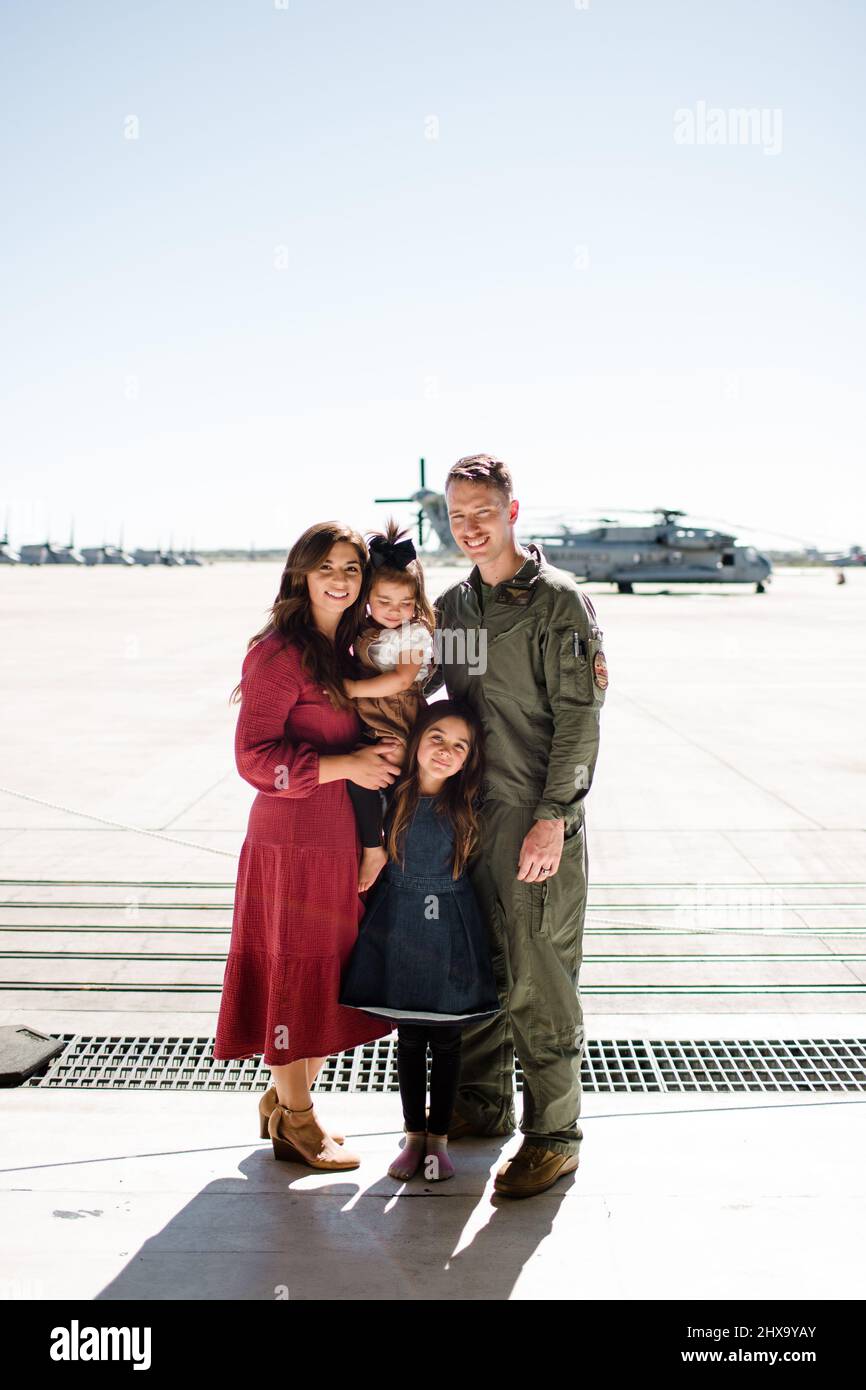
pixel 385 649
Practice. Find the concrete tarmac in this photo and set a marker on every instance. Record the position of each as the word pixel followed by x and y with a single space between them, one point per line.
pixel 726 832
pixel 115 1195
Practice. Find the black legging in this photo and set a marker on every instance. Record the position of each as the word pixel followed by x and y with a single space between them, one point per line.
pixel 369 804
pixel 368 813
pixel 412 1040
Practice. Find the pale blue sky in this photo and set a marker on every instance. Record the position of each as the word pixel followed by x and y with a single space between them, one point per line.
pixel 627 320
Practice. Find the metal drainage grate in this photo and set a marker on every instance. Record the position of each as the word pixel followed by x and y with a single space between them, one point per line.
pixel 609 1065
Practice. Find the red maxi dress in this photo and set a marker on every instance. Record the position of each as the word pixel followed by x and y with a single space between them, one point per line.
pixel 297 907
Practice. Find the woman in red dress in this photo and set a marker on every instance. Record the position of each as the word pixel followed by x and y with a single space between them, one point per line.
pixel 297 907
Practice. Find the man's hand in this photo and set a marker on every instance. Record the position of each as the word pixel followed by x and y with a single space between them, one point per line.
pixel 541 851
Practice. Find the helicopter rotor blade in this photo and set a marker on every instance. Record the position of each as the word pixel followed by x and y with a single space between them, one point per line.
pixel 747 526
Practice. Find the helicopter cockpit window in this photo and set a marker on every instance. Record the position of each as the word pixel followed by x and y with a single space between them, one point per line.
pixel 728 557
pixel 751 553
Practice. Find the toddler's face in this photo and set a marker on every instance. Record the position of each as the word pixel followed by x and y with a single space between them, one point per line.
pixel 444 747
pixel 391 603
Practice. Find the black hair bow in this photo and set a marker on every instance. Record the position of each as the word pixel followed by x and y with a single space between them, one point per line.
pixel 395 554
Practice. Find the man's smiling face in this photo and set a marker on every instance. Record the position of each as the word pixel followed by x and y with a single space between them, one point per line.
pixel 481 519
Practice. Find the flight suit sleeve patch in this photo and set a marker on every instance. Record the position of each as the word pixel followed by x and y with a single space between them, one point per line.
pixel 588 661
pixel 599 670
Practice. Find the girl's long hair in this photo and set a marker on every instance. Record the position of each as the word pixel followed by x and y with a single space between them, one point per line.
pixel 460 795
pixel 328 663
pixel 412 575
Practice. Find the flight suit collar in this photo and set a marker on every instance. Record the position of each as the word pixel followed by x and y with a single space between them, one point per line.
pixel 518 590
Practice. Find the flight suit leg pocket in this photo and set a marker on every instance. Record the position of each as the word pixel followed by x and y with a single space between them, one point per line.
pixel 566 905
pixel 495 924
pixel 533 902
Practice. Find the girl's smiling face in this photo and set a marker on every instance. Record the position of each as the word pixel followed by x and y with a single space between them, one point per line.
pixel 391 603
pixel 336 583
pixel 443 749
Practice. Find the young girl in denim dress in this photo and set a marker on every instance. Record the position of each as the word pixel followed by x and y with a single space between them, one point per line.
pixel 422 956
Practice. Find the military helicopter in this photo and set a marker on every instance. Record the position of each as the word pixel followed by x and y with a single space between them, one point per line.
pixel 854 555
pixel 191 556
pixel 159 556
pixel 107 554
pixel 666 552
pixel 46 553
pixel 8 556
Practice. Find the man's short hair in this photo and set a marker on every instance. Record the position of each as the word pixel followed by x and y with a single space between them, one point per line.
pixel 482 468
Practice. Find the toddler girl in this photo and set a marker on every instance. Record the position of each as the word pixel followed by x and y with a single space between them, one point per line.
pixel 396 647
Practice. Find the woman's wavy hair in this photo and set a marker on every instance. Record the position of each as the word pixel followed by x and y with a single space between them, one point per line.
pixel 328 663
pixel 412 575
pixel 460 795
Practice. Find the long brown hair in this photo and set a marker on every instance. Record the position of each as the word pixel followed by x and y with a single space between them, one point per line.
pixel 412 575
pixel 328 663
pixel 459 797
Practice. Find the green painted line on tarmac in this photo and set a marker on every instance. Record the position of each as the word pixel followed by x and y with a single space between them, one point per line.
pixel 757 883
pixel 617 929
pixel 682 907
pixel 647 929
pixel 707 907
pixel 123 907
pixel 59 987
pixel 140 956
pixel 782 957
pixel 121 928
pixel 658 959
pixel 596 883
pixel 111 883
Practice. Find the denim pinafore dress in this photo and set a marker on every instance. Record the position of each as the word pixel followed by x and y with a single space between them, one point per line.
pixel 422 953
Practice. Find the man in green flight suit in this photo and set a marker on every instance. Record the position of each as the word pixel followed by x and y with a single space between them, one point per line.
pixel 519 641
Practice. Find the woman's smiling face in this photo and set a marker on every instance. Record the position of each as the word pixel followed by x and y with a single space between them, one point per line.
pixel 336 582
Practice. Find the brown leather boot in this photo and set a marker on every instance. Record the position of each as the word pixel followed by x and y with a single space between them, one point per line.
pixel 298 1137
pixel 533 1169
pixel 266 1104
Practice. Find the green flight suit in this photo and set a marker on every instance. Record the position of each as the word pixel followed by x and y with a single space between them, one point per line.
pixel 530 662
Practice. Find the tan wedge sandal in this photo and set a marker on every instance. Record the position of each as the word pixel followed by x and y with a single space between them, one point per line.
pixel 298 1137
pixel 266 1105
